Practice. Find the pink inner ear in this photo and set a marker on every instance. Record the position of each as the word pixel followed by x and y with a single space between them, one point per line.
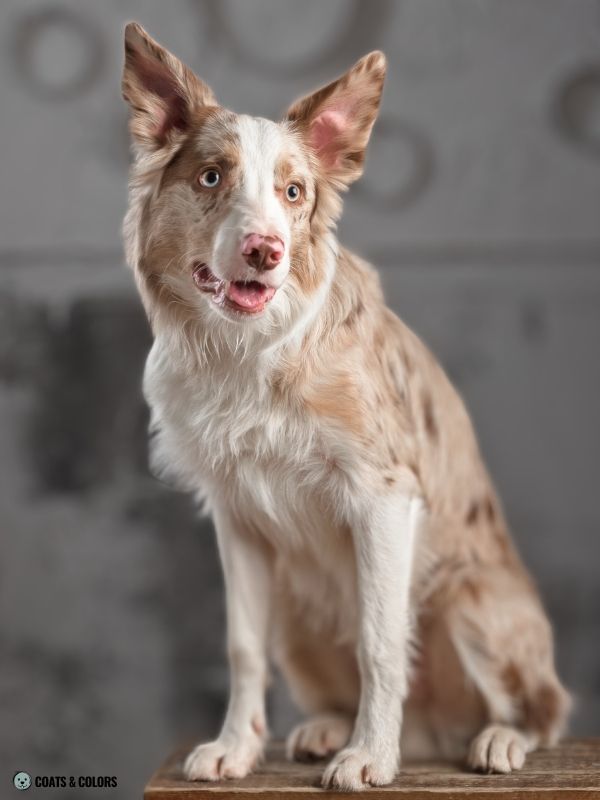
pixel 325 134
pixel 171 112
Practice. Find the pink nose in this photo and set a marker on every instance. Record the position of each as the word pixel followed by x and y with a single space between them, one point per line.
pixel 262 252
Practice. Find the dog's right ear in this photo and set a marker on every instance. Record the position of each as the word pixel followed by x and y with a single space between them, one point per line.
pixel 161 91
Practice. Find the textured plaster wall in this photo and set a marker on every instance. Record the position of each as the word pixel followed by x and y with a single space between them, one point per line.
pixel 481 205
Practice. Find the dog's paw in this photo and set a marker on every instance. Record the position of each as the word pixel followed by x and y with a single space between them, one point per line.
pixel 318 737
pixel 218 759
pixel 356 768
pixel 498 748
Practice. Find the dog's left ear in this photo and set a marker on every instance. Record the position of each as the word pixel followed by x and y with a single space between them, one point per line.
pixel 336 121
pixel 161 91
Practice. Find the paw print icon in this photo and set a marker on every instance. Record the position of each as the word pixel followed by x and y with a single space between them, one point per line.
pixel 22 780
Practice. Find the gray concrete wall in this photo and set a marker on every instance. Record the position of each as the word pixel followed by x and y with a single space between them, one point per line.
pixel 481 205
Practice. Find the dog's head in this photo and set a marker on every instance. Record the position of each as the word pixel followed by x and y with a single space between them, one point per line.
pixel 228 211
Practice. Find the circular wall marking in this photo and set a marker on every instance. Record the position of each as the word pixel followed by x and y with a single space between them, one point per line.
pixel 297 35
pixel 578 109
pixel 57 53
pixel 399 165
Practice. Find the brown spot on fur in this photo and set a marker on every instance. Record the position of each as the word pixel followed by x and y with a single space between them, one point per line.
pixel 219 765
pixel 414 468
pixel 473 589
pixel 286 169
pixel 472 513
pixel 397 378
pixel 389 480
pixel 332 465
pixel 429 419
pixel 540 710
pixel 354 313
pixel 379 342
pixel 313 212
pixel 258 725
pixel 543 710
pixel 504 545
pixel 489 509
pixel 512 680
pixel 338 401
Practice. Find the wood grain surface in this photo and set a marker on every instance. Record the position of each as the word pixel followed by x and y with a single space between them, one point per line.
pixel 570 771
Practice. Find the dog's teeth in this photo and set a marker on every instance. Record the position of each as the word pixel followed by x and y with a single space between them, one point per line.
pixel 219 295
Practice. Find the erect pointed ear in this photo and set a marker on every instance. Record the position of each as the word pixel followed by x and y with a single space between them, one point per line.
pixel 161 91
pixel 336 121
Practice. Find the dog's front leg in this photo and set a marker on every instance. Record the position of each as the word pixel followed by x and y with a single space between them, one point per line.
pixel 248 580
pixel 384 543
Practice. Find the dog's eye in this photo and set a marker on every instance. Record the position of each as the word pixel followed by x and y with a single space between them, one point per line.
pixel 292 192
pixel 210 178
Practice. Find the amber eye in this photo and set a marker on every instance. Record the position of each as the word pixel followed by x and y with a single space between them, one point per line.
pixel 292 192
pixel 210 178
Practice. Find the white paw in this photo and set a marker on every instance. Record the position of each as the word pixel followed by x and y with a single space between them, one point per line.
pixel 498 748
pixel 216 760
pixel 356 768
pixel 318 737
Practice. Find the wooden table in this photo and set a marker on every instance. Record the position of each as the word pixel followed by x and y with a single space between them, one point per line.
pixel 570 771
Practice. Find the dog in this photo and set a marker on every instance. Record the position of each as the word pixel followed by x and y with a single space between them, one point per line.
pixel 364 548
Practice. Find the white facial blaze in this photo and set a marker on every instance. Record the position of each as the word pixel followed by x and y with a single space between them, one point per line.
pixel 256 207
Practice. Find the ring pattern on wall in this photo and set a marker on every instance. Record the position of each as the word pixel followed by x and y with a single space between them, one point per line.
pixel 578 109
pixel 323 32
pixel 57 53
pixel 400 165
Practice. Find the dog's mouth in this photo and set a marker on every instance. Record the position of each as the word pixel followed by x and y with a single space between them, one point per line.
pixel 245 297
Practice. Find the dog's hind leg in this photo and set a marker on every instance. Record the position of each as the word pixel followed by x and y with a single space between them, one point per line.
pixel 504 642
pixel 324 682
pixel 319 736
pixel 323 679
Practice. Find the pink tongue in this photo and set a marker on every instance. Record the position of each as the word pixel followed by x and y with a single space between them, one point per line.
pixel 249 295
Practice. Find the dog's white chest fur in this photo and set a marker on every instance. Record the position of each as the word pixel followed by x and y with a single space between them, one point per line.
pixel 221 431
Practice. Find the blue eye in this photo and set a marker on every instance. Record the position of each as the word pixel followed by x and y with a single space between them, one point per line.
pixel 292 192
pixel 210 178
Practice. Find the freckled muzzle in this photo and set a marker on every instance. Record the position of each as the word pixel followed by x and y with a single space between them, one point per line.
pixel 245 297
